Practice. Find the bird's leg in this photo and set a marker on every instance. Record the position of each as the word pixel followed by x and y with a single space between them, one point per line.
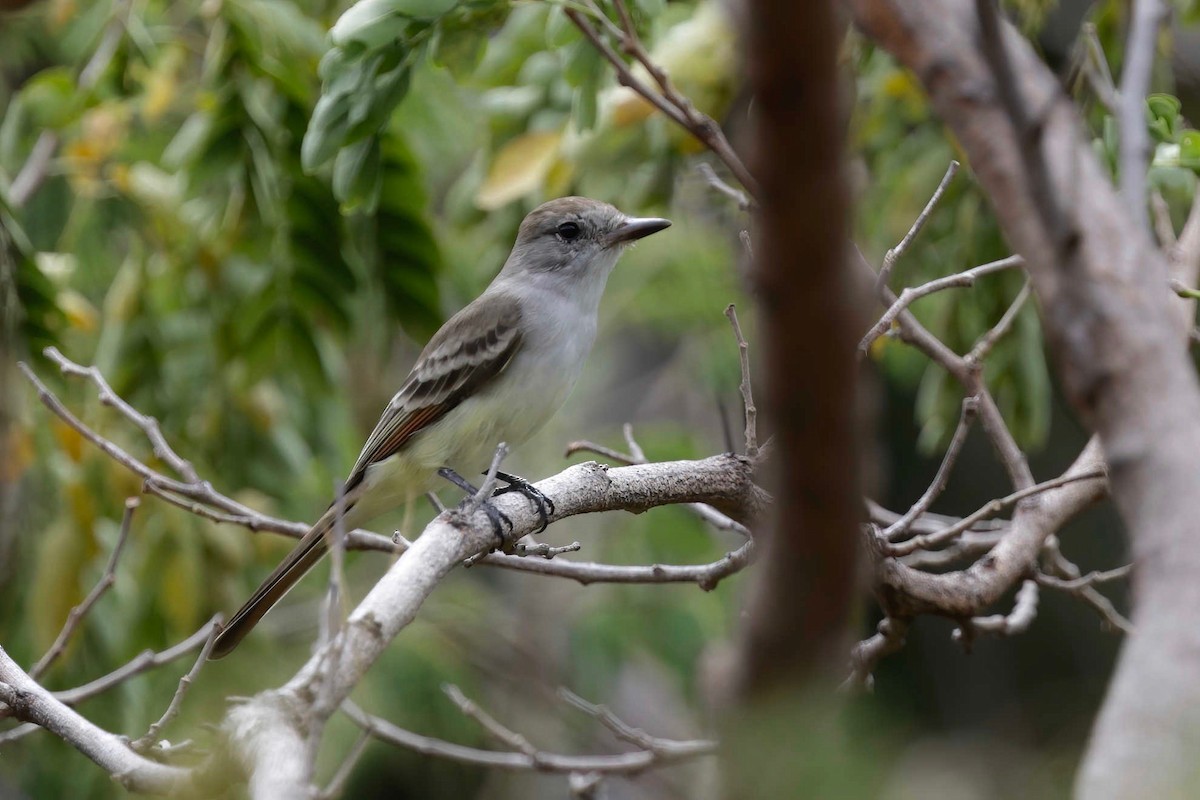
pixel 543 504
pixel 495 516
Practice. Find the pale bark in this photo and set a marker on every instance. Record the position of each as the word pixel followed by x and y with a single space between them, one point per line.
pixel 1102 287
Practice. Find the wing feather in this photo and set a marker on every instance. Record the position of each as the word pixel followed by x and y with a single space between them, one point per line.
pixel 469 351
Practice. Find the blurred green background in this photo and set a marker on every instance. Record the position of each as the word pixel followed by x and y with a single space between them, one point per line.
pixel 251 226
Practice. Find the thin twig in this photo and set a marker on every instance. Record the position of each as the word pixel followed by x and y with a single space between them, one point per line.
pixel 621 729
pixel 888 638
pixel 621 764
pixel 1164 228
pixel 910 295
pixel 149 425
pixel 739 198
pixel 707 513
pixel 916 334
pixel 546 551
pixel 990 509
pixel 19 732
pixel 337 784
pixel 706 576
pixel 635 450
pixel 1095 69
pixel 584 446
pixel 214 505
pixel 984 346
pixel 77 614
pixel 1018 621
pixel 970 408
pixel 1090 579
pixel 1066 570
pixel 145 661
pixel 893 255
pixel 667 100
pixel 744 387
pixel 150 737
pixel 489 482
pixel 497 730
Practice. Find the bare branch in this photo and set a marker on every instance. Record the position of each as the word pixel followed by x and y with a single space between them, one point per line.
pixel 337 784
pixel 984 346
pixel 1164 228
pixel 635 450
pixel 893 255
pixel 667 99
pixel 1095 68
pixel 739 198
pixel 150 737
pixel 1134 141
pixel 501 733
pixel 908 296
pixel 1090 579
pixel 630 763
pixel 585 573
pixel 144 662
pixel 916 334
pixel 1069 578
pixel 990 509
pixel 970 407
pixel 584 446
pixel 28 701
pixel 149 425
pixel 197 497
pixel 888 639
pixel 1022 616
pixel 747 393
pixel 636 456
pixel 626 732
pixel 80 611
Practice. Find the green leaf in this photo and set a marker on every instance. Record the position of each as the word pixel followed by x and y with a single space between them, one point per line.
pixel 425 9
pixel 371 23
pixel 560 31
pixel 1189 149
pixel 52 98
pixel 460 50
pixel 583 64
pixel 356 176
pixel 326 130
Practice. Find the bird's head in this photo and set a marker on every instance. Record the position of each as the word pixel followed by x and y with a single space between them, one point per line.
pixel 576 238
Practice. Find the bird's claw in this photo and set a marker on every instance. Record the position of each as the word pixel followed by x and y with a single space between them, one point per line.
pixel 495 516
pixel 543 504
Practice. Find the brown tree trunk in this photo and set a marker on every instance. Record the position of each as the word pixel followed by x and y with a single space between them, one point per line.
pixel 796 625
pixel 798 609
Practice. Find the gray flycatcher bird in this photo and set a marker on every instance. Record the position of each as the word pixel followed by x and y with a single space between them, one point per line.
pixel 495 372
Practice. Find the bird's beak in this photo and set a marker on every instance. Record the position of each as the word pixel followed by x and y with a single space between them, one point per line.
pixel 636 228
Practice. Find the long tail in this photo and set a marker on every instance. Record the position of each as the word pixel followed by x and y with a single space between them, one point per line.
pixel 298 562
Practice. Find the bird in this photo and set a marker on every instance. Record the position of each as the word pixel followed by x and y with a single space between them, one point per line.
pixel 496 371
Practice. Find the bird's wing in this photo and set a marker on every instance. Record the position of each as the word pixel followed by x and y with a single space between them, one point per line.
pixel 451 368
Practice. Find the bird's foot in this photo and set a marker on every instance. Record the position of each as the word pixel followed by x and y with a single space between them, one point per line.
pixel 543 504
pixel 495 516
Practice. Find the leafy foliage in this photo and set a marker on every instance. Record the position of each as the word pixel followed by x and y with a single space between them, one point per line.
pixel 239 213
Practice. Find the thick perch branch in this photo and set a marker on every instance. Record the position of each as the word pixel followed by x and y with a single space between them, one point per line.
pixel 723 481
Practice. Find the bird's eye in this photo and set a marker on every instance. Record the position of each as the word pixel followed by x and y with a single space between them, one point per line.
pixel 569 230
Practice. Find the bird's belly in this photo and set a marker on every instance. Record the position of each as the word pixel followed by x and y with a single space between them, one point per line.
pixel 468 442
pixel 465 439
